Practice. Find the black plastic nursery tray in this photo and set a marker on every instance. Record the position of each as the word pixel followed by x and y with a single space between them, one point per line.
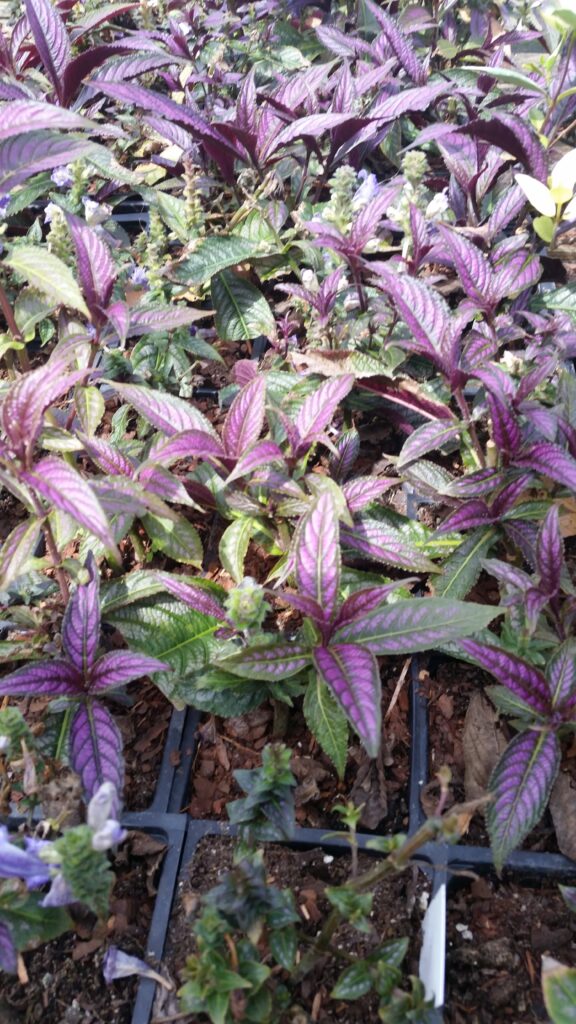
pixel 444 863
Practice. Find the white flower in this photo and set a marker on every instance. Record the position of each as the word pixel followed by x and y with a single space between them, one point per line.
pixel 437 206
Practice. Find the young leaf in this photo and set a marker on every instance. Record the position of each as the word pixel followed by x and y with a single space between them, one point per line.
pixel 353 676
pixel 96 748
pixel 43 270
pixel 414 625
pixel 471 265
pixel 521 784
pixel 519 676
pixel 51 39
pixel 96 268
pixel 550 552
pixel 561 673
pixel 120 667
pixel 169 414
pixel 317 555
pixel 234 545
pixel 326 721
pixel 318 409
pixel 270 663
pixel 63 487
pixel 81 623
pixel 245 418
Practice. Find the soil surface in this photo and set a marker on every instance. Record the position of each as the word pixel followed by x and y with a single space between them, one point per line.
pixel 497 934
pixel 398 908
pixel 228 744
pixel 65 984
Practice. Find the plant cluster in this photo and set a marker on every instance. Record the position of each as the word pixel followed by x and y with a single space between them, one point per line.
pixel 356 188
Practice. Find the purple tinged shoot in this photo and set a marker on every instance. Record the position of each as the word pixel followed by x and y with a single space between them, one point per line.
pixel 196 597
pixel 550 553
pixel 81 624
pixel 245 418
pixel 318 409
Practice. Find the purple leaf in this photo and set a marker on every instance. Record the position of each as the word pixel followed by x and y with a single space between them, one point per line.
pixel 467 517
pixel 365 600
pixel 415 625
pixel 81 623
pixel 512 134
pixel 8 952
pixel 427 438
pixel 304 127
pixel 561 672
pixel 96 748
pixel 167 413
pixel 508 496
pixel 196 597
pixel 95 265
pixel 31 152
pixel 262 454
pixel 483 482
pixel 107 457
pixel 505 429
pixel 163 318
pixel 51 39
pixel 306 605
pixel 272 663
pixel 18 547
pixel 551 461
pixel 318 409
pixel 118 315
pixel 471 265
pixel 425 313
pixel 399 44
pixel 550 552
pixel 188 444
pixel 509 205
pixel 26 115
pixel 317 555
pixel 518 272
pixel 521 784
pixel 353 676
pixel 363 490
pixel 409 100
pixel 51 678
pixel 348 448
pixel 245 418
pixel 385 544
pixel 519 676
pixel 523 535
pixel 119 667
pixel 63 487
pixel 26 401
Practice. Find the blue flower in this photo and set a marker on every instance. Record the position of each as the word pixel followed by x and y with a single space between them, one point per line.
pixel 16 862
pixel 4 204
pixel 62 176
pixel 139 277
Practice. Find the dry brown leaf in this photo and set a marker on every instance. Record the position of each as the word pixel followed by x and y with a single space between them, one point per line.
pixel 483 742
pixel 563 811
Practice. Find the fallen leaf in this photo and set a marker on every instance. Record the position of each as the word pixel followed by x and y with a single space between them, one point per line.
pixel 563 811
pixel 483 742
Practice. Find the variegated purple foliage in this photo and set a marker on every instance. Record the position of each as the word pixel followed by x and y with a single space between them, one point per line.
pixel 349 634
pixel 95 742
pixel 543 707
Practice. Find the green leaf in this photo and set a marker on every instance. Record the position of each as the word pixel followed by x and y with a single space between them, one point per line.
pixel 221 693
pixel 173 212
pixel 544 228
pixel 242 312
pixel 327 722
pixel 563 299
pixel 354 982
pixel 86 870
pixel 212 256
pixel 269 662
pixel 90 407
pixel 462 568
pixel 29 922
pixel 559 988
pixel 170 631
pixel 29 309
pixel 283 946
pixel 217 1002
pixel 176 538
pixel 506 75
pixel 48 274
pixel 234 545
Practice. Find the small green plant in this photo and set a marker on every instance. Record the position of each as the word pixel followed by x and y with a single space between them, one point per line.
pixel 252 952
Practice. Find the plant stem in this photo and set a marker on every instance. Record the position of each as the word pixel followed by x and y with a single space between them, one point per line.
pixel 280 721
pixel 463 406
pixel 14 329
pixel 52 550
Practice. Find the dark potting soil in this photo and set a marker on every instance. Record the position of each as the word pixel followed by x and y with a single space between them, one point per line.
pixel 398 908
pixel 228 744
pixel 497 934
pixel 66 985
